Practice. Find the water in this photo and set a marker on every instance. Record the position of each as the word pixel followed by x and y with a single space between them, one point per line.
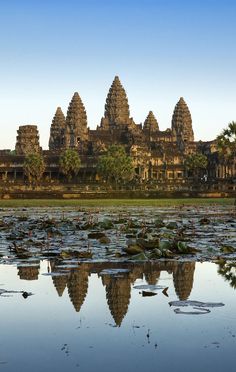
pixel 91 318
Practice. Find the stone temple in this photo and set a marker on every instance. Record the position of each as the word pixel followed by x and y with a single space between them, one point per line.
pixel 158 155
pixel 117 127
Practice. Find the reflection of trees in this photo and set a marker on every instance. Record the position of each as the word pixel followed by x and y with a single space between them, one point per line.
pixel 183 275
pixel 28 272
pixel 78 286
pixel 118 290
pixel 228 271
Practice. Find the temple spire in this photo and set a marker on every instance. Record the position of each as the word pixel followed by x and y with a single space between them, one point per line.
pixel 182 122
pixel 76 123
pixel 57 130
pixel 151 123
pixel 116 107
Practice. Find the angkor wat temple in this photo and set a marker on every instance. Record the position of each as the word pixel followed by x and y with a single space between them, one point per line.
pixel 159 156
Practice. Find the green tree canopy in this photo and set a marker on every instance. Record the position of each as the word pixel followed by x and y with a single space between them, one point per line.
pixel 116 165
pixel 34 167
pixel 196 163
pixel 226 141
pixel 69 163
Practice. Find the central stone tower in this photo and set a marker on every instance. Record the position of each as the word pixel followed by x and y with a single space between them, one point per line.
pixel 116 108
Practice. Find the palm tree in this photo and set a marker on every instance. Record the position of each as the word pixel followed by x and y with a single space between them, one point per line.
pixel 69 163
pixel 34 167
pixel 226 143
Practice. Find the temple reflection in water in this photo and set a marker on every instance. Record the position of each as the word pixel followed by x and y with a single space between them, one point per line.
pixel 117 284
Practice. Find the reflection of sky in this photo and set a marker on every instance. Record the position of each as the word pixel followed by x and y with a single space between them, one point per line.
pixel 162 49
pixel 33 331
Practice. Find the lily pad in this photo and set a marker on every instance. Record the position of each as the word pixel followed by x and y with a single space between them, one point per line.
pixel 106 224
pixel 150 287
pixel 139 257
pixel 198 311
pixel 182 247
pixel 196 303
pixel 172 225
pixel 228 249
pixel 148 244
pixel 96 235
pixel 114 271
pixel 155 254
pixel 165 244
pixel 159 222
pixel 133 249
pixel 104 240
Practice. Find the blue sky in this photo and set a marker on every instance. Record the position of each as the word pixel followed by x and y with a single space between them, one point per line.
pixel 160 49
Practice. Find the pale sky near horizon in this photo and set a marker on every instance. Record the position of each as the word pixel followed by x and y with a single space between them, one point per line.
pixel 161 50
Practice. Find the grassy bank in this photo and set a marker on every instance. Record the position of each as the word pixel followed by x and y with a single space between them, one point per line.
pixel 21 203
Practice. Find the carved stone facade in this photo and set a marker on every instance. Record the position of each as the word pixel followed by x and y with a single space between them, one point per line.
pixel 27 140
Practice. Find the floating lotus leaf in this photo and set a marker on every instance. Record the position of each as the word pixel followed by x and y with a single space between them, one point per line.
pixel 139 257
pixel 228 249
pixel 155 254
pixel 106 224
pixel 96 235
pixel 104 240
pixel 165 244
pixel 159 222
pixel 182 247
pixel 148 244
pixel 133 249
pixel 172 225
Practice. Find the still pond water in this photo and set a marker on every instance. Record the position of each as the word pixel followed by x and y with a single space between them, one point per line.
pixel 99 317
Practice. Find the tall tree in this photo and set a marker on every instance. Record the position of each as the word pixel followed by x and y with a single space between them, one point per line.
pixel 116 166
pixel 226 141
pixel 196 163
pixel 34 167
pixel 69 163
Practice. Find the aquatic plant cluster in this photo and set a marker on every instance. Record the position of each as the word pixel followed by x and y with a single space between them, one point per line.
pixel 115 234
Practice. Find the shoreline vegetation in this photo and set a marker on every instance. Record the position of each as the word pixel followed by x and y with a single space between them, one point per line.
pixel 100 203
